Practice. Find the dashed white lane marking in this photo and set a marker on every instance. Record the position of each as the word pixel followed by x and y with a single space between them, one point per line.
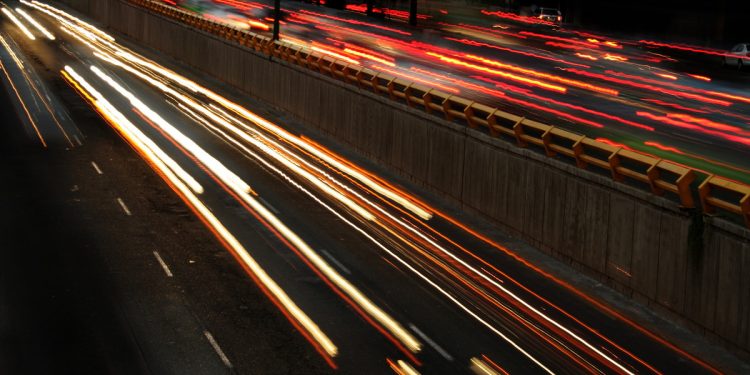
pixel 124 207
pixel 96 167
pixel 336 262
pixel 268 205
pixel 217 348
pixel 163 264
pixel 77 140
pixel 429 341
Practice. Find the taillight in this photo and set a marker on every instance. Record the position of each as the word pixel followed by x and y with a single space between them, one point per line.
pixel 541 16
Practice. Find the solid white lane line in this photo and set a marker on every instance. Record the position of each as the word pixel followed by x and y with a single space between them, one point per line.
pixel 124 207
pixel 336 262
pixel 163 264
pixel 217 348
pixel 429 341
pixel 97 168
pixel 268 205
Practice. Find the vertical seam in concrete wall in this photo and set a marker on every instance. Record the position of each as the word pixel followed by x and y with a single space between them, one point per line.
pixel 463 167
pixel 658 278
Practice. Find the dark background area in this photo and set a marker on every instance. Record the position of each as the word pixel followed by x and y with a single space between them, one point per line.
pixel 717 23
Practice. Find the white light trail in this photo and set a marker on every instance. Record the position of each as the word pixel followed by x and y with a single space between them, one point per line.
pixel 367 305
pixel 144 142
pixel 18 23
pixel 278 131
pixel 256 270
pixel 36 24
pixel 221 171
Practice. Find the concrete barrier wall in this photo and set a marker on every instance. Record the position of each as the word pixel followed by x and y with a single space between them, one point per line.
pixel 683 264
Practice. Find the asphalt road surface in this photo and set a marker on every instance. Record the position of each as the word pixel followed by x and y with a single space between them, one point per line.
pixel 264 252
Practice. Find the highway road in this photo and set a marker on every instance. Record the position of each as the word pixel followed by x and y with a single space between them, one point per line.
pixel 664 99
pixel 372 276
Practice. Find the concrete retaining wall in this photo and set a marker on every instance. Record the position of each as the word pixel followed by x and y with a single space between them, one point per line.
pixel 682 264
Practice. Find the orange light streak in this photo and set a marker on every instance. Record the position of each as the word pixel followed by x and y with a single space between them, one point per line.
pixel 667 76
pixel 696 97
pixel 369 56
pixel 681 87
pixel 559 39
pixel 533 73
pixel 708 123
pixel 568 105
pixel 685 125
pixel 695 156
pixel 699 77
pixel 505 49
pixel 355 22
pixel 514 77
pixel 585 56
pixel 515 17
pixel 418 79
pixel 612 57
pixel 565 45
pixel 613 143
pixel 673 105
pixel 327 51
pixel 686 48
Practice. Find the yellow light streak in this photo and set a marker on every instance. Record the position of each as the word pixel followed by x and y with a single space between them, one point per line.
pixel 406 368
pixel 480 368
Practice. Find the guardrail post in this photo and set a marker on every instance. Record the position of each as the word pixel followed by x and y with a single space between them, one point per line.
pixel 683 187
pixel 546 140
pixel 703 192
pixel 614 163
pixel 578 152
pixel 427 98
pixel 375 83
pixel 447 107
pixel 653 174
pixel 492 124
pixel 408 96
pixel 518 131
pixel 390 85
pixel 469 113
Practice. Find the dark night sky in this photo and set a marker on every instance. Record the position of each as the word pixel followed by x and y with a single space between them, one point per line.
pixel 719 23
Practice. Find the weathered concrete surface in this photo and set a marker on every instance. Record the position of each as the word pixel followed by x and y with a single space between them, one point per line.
pixel 644 246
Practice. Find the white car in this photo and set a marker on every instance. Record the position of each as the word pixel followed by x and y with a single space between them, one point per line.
pixel 549 15
pixel 738 56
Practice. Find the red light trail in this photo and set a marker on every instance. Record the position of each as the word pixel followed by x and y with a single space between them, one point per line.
pixel 699 98
pixel 469 42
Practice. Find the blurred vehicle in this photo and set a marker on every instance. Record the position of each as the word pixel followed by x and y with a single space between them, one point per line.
pixel 738 56
pixel 549 15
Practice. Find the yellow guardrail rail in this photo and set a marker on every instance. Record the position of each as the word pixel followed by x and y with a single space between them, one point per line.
pixel 659 175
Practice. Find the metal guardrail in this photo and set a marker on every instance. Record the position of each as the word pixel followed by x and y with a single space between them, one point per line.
pixel 659 175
